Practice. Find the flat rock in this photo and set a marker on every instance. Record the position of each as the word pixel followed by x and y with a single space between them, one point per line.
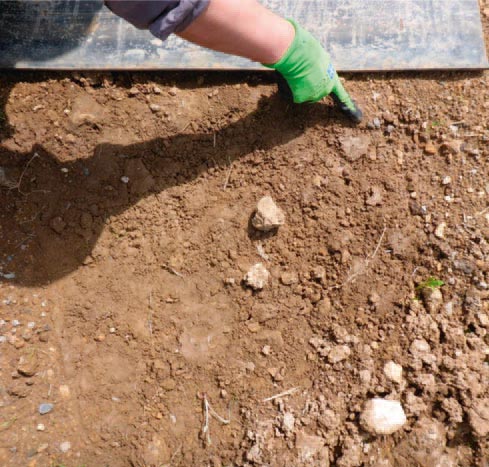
pixel 354 147
pixel 268 215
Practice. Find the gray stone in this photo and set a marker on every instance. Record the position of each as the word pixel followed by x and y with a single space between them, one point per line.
pixel 45 408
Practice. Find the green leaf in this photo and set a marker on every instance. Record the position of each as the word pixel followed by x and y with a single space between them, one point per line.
pixel 430 283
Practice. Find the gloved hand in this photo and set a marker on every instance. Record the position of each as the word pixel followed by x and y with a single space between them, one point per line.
pixel 310 75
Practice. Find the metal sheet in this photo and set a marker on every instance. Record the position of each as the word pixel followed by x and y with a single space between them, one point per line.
pixel 360 35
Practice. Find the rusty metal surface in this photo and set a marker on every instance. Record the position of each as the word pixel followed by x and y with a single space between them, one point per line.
pixel 360 35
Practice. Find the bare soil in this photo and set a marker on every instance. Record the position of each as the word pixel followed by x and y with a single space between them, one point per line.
pixel 126 233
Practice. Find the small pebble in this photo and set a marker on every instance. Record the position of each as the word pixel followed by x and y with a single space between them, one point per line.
pixel 3 339
pixel 125 179
pixel 15 323
pixel 440 230
pixel 45 408
pixel 65 446
pixel 446 180
pixel 257 277
pixel 31 325
pixel 393 372
pixel 40 427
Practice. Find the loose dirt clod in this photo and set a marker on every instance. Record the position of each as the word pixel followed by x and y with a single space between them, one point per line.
pixel 479 417
pixel 309 446
pixel 432 299
pixel 268 215
pixel 383 417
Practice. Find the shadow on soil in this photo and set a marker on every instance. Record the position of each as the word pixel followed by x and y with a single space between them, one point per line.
pixel 50 224
pixel 60 215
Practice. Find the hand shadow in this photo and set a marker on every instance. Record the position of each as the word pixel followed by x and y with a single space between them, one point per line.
pixel 50 226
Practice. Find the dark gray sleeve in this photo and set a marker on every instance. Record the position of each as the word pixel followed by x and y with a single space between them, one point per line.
pixel 161 17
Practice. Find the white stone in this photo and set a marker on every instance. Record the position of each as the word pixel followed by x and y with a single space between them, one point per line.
pixel 288 422
pixel 393 372
pixel 65 446
pixel 382 416
pixel 257 277
pixel 268 215
pixel 440 230
pixel 40 427
pixel 446 180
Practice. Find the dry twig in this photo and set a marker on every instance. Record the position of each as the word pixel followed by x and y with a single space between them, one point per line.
pixel 282 394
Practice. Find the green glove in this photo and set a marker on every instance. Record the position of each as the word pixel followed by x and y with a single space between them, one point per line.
pixel 307 69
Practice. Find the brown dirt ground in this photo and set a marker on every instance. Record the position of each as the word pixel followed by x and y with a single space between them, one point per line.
pixel 128 297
